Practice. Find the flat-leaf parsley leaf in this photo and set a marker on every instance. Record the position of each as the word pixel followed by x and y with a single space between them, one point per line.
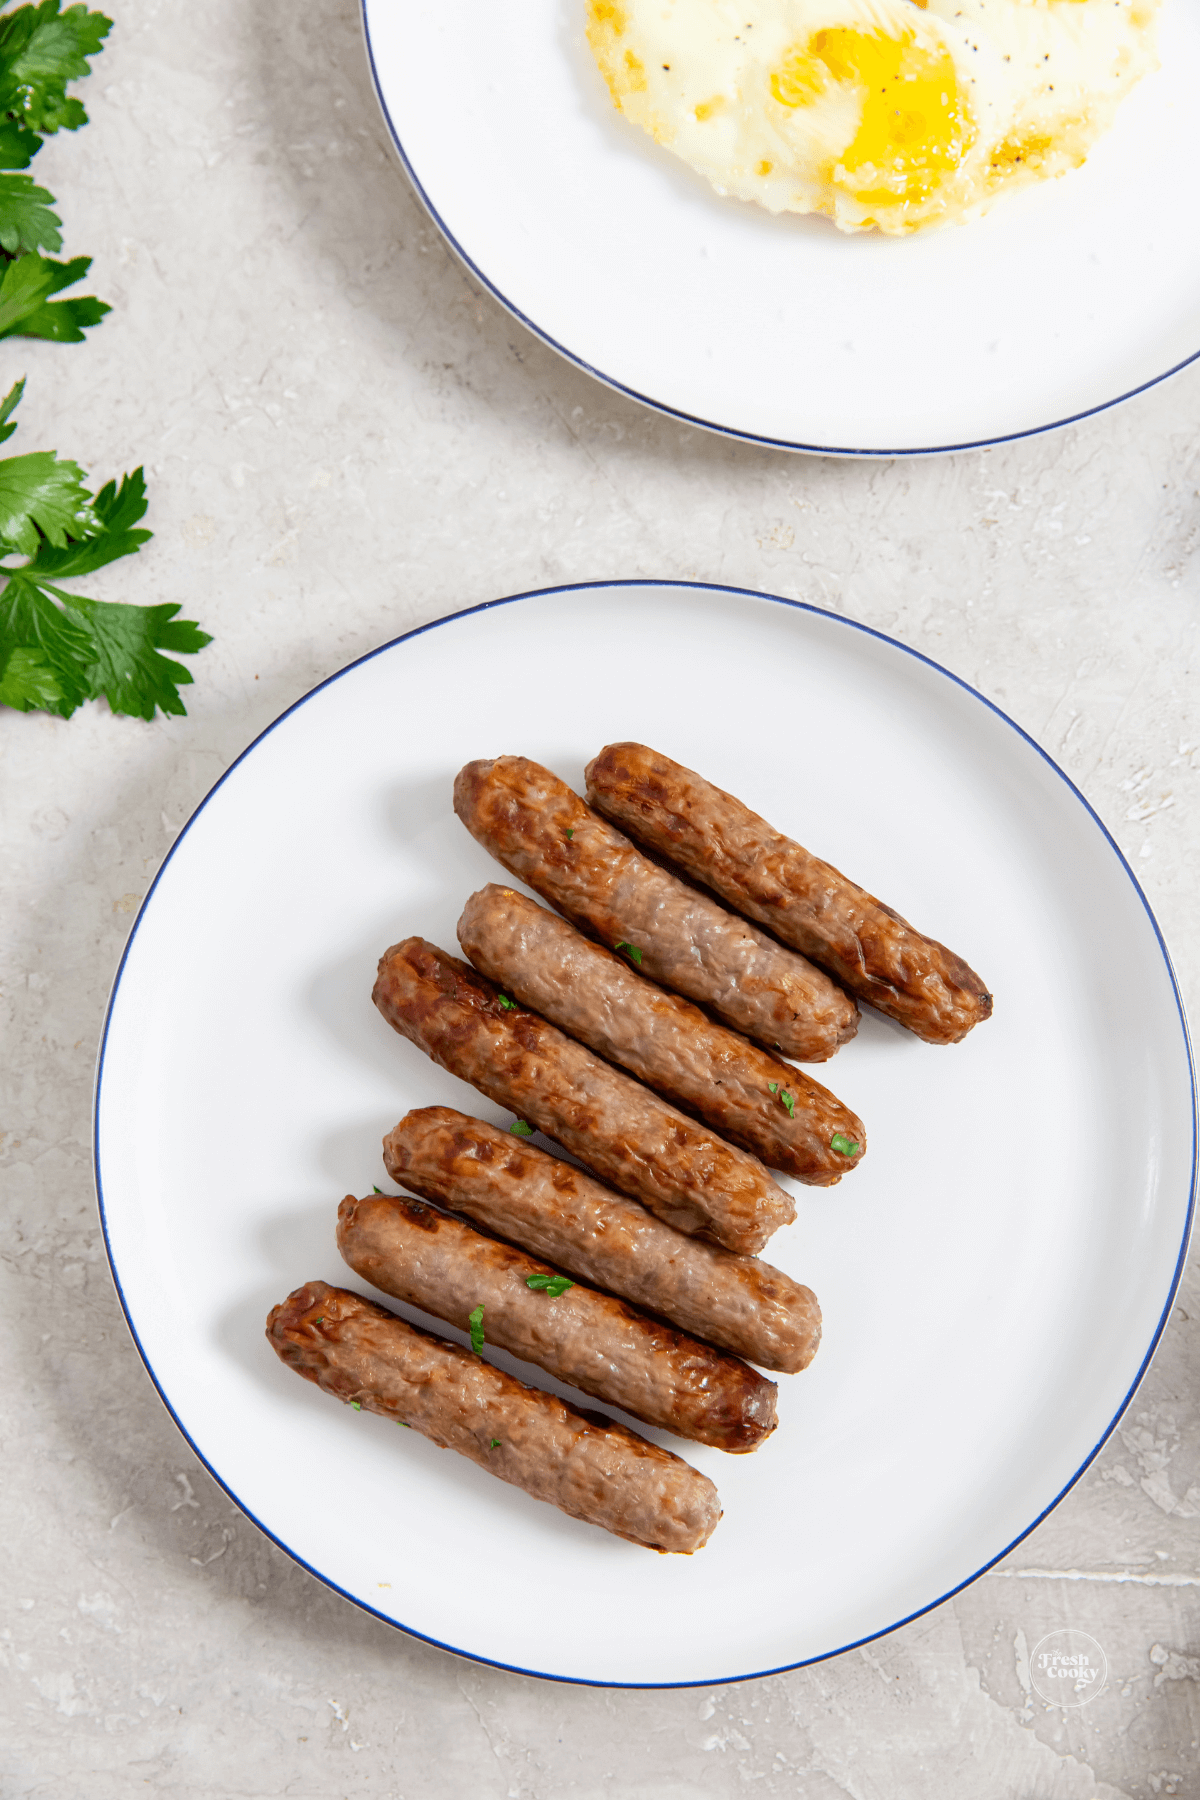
pixel 520 1129
pixel 475 1321
pixel 26 309
pixel 843 1145
pixel 633 950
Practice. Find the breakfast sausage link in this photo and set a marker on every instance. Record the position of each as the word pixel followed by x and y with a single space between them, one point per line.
pixel 544 835
pixel 717 840
pixel 766 1106
pixel 594 1469
pixel 629 1136
pixel 556 1211
pixel 590 1340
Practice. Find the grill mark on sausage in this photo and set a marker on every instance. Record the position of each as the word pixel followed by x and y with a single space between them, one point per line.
pixel 598 879
pixel 715 839
pixel 557 1212
pixel 629 1136
pixel 589 1340
pixel 586 1465
pixel 661 1038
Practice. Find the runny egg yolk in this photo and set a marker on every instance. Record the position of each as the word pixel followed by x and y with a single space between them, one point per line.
pixel 914 127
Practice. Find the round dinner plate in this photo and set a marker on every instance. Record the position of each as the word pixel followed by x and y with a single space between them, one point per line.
pixel 993 1277
pixel 1060 301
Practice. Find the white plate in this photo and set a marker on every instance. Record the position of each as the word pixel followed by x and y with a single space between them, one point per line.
pixel 1061 301
pixel 993 1278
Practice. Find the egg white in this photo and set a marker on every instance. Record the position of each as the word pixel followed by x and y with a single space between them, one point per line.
pixel 897 114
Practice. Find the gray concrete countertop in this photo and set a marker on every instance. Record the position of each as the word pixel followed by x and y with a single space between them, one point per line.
pixel 344 438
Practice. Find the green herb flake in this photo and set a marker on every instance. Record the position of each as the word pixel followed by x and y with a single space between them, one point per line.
pixel 405 1424
pixel 634 953
pixel 506 1003
pixel 319 1321
pixel 570 831
pixel 789 1100
pixel 773 1087
pixel 520 1129
pixel 357 1405
pixel 843 1145
pixel 495 1444
pixel 475 1321
pixel 554 1285
pixel 374 1189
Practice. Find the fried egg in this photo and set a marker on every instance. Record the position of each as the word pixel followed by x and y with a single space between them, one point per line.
pixel 897 114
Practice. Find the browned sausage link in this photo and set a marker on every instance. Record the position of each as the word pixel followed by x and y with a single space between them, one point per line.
pixel 766 1106
pixel 590 1340
pixel 545 836
pixel 596 1471
pixel 558 1212
pixel 626 1134
pixel 806 902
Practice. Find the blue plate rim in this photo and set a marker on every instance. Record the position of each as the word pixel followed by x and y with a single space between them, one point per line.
pixel 870 631
pixel 685 418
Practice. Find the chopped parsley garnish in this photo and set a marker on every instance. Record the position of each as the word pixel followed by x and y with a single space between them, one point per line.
pixel 554 1285
pixel 377 1190
pixel 506 1003
pixel 405 1424
pixel 357 1405
pixel 570 831
pixel 634 952
pixel 495 1444
pixel 843 1145
pixel 475 1321
pixel 319 1321
pixel 789 1100
pixel 773 1086
pixel 520 1129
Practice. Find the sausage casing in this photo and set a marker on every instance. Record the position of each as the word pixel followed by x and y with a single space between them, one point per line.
pixel 544 835
pixel 593 1342
pixel 773 1110
pixel 556 1211
pixel 718 841
pixel 599 1472
pixel 630 1137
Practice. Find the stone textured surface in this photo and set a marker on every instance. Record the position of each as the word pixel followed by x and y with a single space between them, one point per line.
pixel 344 438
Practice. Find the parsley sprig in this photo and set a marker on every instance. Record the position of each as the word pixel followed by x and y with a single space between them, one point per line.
pixel 42 50
pixel 786 1099
pixel 58 648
